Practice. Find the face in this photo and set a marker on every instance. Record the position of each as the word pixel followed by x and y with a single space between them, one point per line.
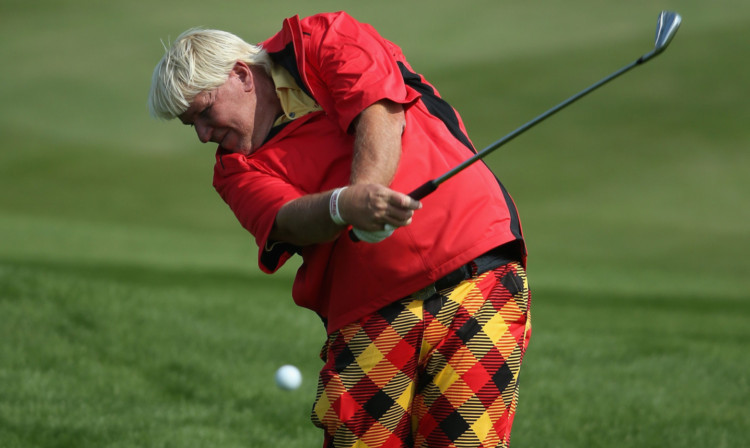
pixel 227 114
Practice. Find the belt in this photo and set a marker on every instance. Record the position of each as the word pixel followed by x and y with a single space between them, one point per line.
pixel 495 258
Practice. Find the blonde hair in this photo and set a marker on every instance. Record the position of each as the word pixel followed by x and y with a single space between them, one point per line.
pixel 199 60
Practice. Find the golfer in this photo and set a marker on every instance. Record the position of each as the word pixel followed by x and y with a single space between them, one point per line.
pixel 321 129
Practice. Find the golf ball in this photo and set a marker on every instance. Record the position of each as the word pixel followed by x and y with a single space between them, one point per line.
pixel 288 377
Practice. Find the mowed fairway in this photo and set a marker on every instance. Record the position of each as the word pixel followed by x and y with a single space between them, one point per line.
pixel 132 311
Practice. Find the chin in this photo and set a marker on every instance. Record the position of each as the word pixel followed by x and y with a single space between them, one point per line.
pixel 239 146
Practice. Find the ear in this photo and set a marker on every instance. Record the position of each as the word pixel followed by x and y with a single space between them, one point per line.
pixel 244 75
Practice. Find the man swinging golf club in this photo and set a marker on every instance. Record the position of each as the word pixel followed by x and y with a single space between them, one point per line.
pixel 320 129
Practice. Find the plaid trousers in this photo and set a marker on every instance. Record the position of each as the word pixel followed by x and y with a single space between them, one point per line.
pixel 439 372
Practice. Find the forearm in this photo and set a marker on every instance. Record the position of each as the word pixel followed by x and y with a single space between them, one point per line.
pixel 305 220
pixel 377 144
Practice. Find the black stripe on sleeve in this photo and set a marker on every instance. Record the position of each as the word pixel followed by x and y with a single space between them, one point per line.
pixel 436 105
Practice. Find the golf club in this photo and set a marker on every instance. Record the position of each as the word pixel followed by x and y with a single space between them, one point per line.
pixel 666 27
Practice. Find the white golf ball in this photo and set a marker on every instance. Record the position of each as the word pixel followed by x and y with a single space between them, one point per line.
pixel 288 377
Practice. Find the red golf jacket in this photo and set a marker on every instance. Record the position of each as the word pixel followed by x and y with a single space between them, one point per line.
pixel 346 66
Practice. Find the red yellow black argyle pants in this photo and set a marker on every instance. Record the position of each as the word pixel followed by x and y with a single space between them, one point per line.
pixel 440 372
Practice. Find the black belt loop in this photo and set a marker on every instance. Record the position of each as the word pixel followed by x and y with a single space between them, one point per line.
pixel 451 279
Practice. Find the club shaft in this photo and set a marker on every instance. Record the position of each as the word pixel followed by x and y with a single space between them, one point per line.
pixel 667 26
pixel 486 151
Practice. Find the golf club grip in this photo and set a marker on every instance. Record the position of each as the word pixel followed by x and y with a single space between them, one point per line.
pixel 422 191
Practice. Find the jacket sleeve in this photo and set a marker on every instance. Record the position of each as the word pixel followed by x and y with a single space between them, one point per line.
pixel 354 66
pixel 255 196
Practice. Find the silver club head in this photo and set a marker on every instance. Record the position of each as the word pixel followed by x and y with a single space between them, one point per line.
pixel 666 27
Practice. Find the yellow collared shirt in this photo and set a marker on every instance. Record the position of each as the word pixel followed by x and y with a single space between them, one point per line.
pixel 294 101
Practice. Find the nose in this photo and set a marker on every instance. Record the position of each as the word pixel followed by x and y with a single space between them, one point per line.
pixel 203 131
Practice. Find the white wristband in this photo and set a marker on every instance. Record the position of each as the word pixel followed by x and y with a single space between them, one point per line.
pixel 333 206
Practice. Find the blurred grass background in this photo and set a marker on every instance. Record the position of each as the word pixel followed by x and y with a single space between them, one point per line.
pixel 132 312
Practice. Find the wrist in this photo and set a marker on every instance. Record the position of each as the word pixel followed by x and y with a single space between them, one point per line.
pixel 333 206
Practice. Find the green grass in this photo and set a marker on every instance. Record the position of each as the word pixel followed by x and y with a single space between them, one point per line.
pixel 132 313
pixel 129 355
